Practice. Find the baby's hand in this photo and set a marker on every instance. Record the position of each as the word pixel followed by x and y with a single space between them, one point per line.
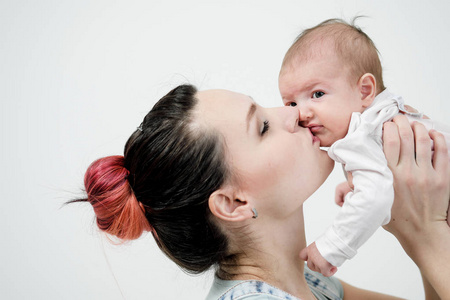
pixel 342 189
pixel 316 262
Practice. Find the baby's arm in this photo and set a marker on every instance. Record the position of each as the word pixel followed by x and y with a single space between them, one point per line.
pixel 368 206
pixel 316 262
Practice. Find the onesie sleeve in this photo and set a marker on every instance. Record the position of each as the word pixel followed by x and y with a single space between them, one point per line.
pixel 369 205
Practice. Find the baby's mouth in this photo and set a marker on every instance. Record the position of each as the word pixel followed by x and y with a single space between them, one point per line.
pixel 315 128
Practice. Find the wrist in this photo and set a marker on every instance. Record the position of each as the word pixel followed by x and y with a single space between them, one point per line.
pixel 432 257
pixel 428 245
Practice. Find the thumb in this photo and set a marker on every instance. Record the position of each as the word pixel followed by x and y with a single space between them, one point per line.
pixel 339 197
pixel 304 254
pixel 341 191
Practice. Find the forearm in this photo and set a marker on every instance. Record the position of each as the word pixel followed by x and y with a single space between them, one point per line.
pixel 354 293
pixel 432 256
pixel 430 292
pixel 419 213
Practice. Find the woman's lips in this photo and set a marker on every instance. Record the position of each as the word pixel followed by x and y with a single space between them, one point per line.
pixel 313 137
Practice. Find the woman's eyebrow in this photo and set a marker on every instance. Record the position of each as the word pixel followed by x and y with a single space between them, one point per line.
pixel 250 114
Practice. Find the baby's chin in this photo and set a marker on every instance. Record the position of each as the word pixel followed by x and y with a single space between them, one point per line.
pixel 327 141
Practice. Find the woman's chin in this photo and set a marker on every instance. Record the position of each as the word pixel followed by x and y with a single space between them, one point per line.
pixel 328 165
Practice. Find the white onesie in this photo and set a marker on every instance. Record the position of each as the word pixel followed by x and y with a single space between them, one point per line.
pixel 368 206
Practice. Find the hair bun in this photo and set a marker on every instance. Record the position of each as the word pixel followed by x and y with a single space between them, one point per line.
pixel 117 210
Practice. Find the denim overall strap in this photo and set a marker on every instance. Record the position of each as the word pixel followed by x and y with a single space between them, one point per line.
pixel 321 289
pixel 253 287
pixel 318 286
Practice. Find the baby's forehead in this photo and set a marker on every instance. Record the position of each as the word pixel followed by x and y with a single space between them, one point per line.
pixel 323 53
pixel 324 46
pixel 325 41
pixel 319 48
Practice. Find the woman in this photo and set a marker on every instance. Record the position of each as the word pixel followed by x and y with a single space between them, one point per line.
pixel 220 182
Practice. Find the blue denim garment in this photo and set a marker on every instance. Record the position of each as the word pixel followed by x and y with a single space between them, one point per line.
pixel 323 288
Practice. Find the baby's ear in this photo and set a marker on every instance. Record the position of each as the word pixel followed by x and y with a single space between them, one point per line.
pixel 367 86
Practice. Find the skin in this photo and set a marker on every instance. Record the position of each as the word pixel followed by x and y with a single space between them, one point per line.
pixel 419 214
pixel 419 211
pixel 320 88
pixel 267 182
pixel 262 174
pixel 271 253
pixel 345 187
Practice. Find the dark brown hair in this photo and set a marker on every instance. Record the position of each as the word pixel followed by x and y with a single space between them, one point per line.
pixel 162 184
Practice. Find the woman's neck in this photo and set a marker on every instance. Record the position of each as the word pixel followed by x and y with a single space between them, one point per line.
pixel 272 255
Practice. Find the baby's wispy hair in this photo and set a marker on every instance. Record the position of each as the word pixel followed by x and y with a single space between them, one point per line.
pixel 352 45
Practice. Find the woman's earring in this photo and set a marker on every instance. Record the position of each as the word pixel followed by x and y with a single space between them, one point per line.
pixel 255 213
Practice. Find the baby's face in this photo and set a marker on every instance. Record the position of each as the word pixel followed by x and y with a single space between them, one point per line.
pixel 321 89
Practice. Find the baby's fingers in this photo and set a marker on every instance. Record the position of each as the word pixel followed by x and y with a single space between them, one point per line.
pixel 304 254
pixel 312 266
pixel 342 189
pixel 331 271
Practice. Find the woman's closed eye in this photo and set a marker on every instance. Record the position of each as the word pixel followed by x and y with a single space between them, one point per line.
pixel 265 127
pixel 317 94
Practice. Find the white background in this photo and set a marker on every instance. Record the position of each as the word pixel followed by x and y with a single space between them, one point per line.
pixel 77 77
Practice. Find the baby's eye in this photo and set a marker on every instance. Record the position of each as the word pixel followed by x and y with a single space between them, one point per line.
pixel 291 104
pixel 318 94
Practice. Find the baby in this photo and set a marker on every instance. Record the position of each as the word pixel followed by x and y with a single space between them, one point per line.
pixel 333 74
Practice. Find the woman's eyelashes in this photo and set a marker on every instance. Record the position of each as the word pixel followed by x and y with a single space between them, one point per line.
pixel 265 127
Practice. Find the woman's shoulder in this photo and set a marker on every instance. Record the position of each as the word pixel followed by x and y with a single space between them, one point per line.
pixel 322 287
pixel 245 290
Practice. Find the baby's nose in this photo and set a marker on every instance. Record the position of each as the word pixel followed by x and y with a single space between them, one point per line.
pixel 305 111
pixel 305 114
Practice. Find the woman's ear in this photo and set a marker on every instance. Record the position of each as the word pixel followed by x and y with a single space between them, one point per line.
pixel 224 204
pixel 367 85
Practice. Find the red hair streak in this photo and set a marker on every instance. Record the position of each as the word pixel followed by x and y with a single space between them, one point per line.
pixel 115 205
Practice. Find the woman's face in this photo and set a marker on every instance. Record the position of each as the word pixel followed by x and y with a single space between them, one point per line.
pixel 273 157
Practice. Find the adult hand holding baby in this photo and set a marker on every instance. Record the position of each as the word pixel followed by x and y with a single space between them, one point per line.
pixel 343 188
pixel 419 212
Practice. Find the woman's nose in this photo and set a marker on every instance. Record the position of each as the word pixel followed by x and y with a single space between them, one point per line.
pixel 290 117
